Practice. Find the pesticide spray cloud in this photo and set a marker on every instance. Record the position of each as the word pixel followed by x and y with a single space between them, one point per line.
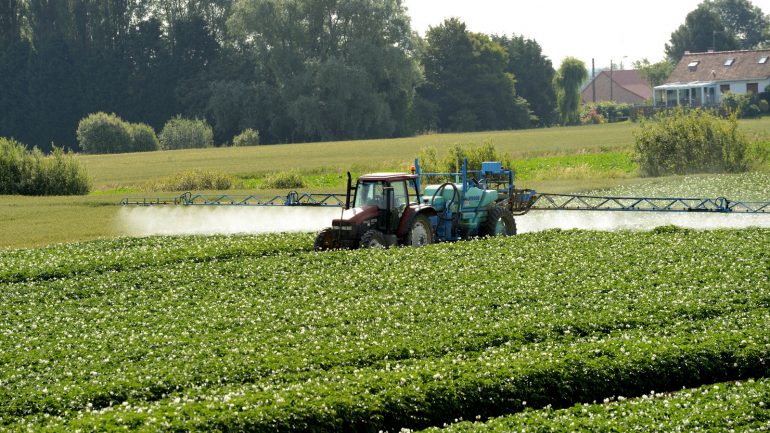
pixel 209 220
pixel 536 221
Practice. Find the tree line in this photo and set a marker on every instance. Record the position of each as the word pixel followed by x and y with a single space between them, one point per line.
pixel 293 70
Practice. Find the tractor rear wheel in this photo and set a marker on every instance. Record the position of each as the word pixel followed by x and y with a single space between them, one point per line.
pixel 499 222
pixel 373 239
pixel 420 233
pixel 325 240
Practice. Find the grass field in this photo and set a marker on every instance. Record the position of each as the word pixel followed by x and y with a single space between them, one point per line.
pixel 553 160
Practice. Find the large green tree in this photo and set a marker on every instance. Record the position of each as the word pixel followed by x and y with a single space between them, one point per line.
pixel 467 83
pixel 333 69
pixel 720 25
pixel 534 74
pixel 747 22
pixel 571 74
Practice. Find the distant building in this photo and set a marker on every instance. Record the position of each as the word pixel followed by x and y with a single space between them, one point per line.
pixel 625 86
pixel 702 78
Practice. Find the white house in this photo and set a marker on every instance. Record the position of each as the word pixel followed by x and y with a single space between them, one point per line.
pixel 702 78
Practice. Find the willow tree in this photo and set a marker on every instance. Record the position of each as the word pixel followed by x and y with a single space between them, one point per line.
pixel 571 74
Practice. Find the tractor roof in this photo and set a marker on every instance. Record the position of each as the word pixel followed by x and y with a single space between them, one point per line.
pixel 389 177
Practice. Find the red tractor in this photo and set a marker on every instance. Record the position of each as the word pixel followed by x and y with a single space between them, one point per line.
pixel 388 209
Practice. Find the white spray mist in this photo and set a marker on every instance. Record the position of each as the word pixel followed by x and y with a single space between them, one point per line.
pixel 536 221
pixel 148 221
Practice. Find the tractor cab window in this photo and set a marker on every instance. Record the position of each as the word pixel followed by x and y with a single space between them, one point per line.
pixel 370 194
pixel 400 194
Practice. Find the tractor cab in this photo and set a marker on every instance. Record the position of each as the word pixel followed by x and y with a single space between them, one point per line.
pixel 380 211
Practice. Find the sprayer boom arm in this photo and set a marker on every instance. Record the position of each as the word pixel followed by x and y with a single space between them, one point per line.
pixel 547 201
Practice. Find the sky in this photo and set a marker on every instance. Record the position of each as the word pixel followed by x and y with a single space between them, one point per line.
pixel 606 30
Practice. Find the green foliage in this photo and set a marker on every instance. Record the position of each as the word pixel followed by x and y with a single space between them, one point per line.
pixel 467 82
pixel 222 333
pixel 107 133
pixel 248 137
pixel 143 138
pixel 702 30
pixel 534 74
pixel 681 142
pixel 571 74
pixel 731 406
pixel 344 70
pixel 452 162
pixel 283 180
pixel 32 173
pixel 740 104
pixel 606 111
pixel 579 166
pixel 747 22
pixel 763 105
pixel 104 133
pixel 654 73
pixel 179 133
pixel 193 180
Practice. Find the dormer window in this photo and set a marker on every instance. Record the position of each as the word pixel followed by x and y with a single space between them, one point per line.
pixel 729 62
pixel 762 60
pixel 692 66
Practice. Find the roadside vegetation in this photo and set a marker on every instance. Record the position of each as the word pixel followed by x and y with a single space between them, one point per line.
pixel 695 141
pixel 30 172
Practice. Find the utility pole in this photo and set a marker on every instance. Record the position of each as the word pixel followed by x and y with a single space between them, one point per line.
pixel 611 82
pixel 593 79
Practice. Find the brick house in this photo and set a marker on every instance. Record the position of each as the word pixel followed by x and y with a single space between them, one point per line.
pixel 702 78
pixel 625 86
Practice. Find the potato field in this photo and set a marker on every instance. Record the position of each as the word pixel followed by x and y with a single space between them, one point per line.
pixel 549 331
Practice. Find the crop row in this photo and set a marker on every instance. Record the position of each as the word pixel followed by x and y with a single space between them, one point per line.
pixel 406 337
pixel 421 392
pixel 734 406
pixel 66 260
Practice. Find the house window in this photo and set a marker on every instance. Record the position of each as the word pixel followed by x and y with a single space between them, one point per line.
pixel 752 88
pixel 729 62
pixel 692 66
pixel 724 88
pixel 762 60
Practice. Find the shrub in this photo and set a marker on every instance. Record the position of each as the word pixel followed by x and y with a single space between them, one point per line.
pixel 179 133
pixel 452 162
pixel 249 137
pixel 591 116
pixel 599 112
pixel 108 133
pixel 763 105
pixel 742 105
pixel 283 180
pixel 191 180
pixel 32 173
pixel 680 142
pixel 143 138
pixel 103 133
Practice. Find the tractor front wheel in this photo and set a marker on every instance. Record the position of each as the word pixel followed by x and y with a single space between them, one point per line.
pixel 373 239
pixel 325 240
pixel 420 233
pixel 499 222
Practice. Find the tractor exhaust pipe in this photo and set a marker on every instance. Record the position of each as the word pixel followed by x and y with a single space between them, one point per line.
pixel 350 188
